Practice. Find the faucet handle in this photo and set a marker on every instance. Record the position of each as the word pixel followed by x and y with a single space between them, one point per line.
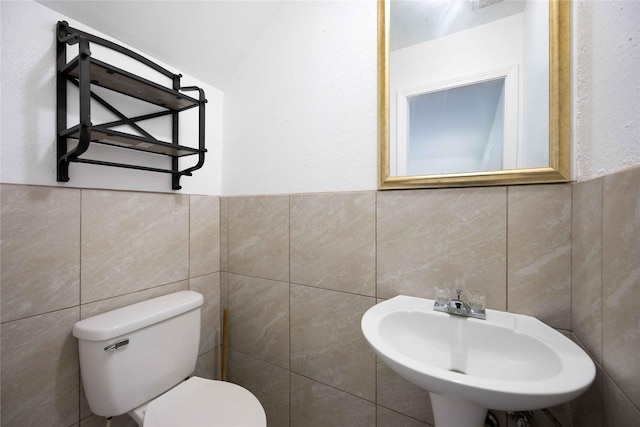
pixel 476 302
pixel 442 296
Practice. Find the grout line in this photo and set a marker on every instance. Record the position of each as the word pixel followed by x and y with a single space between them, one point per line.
pixel 333 387
pixel 601 232
pixel 289 397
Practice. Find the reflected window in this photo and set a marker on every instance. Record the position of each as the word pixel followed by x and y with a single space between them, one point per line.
pixel 469 125
pixel 456 130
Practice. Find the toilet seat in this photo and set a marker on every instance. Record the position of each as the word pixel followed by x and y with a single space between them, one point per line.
pixel 201 402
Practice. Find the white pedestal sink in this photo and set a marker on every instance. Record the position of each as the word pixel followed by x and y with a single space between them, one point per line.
pixel 509 362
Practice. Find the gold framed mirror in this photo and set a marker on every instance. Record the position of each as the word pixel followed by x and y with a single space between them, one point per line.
pixel 558 168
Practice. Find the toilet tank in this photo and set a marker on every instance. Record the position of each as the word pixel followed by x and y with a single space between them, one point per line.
pixel 131 355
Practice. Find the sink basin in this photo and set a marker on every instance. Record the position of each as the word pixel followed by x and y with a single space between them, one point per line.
pixel 508 362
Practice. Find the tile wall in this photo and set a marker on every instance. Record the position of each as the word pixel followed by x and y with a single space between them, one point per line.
pixel 68 254
pixel 567 254
pixel 298 271
pixel 606 295
pixel 302 269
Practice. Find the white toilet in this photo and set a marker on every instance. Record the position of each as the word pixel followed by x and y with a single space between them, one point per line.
pixel 135 360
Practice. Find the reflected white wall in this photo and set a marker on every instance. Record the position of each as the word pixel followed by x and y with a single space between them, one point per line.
pixel 535 77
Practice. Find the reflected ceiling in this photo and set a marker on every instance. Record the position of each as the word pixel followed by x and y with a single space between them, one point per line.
pixel 417 21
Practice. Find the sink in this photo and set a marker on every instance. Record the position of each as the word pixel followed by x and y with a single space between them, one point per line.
pixel 509 361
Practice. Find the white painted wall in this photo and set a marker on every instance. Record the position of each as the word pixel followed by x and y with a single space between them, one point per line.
pixel 28 136
pixel 300 114
pixel 275 141
pixel 607 87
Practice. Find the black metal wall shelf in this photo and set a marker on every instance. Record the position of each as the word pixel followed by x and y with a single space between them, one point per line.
pixel 110 77
pixel 84 72
pixel 106 136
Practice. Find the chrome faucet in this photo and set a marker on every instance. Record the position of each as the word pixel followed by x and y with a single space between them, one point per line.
pixel 458 307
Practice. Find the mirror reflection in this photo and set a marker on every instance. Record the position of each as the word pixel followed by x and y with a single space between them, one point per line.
pixel 456 129
pixel 469 85
pixel 473 92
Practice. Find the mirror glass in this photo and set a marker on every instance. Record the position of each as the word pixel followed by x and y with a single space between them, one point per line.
pixel 473 92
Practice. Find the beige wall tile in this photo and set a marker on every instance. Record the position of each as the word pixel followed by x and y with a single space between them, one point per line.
pixel 269 383
pixel 119 421
pixel 224 305
pixel 204 235
pixel 327 344
pixel 85 411
pixel 224 293
pixel 621 281
pixel 586 265
pixel 317 405
pixel 102 306
pixel 388 418
pixel 448 237
pixel 208 365
pixel 132 241
pixel 333 241
pixel 40 250
pixel 398 394
pixel 617 409
pixel 259 318
pixel 210 331
pixel 39 371
pixel 258 236
pixel 539 253
pixel 587 409
pixel 424 237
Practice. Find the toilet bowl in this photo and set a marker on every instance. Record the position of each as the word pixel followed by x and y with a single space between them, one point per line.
pixel 135 360
pixel 202 402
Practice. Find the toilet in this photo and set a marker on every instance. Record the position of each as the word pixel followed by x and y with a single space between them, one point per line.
pixel 138 360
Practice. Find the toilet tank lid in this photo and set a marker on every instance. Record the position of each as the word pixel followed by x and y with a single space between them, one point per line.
pixel 127 319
